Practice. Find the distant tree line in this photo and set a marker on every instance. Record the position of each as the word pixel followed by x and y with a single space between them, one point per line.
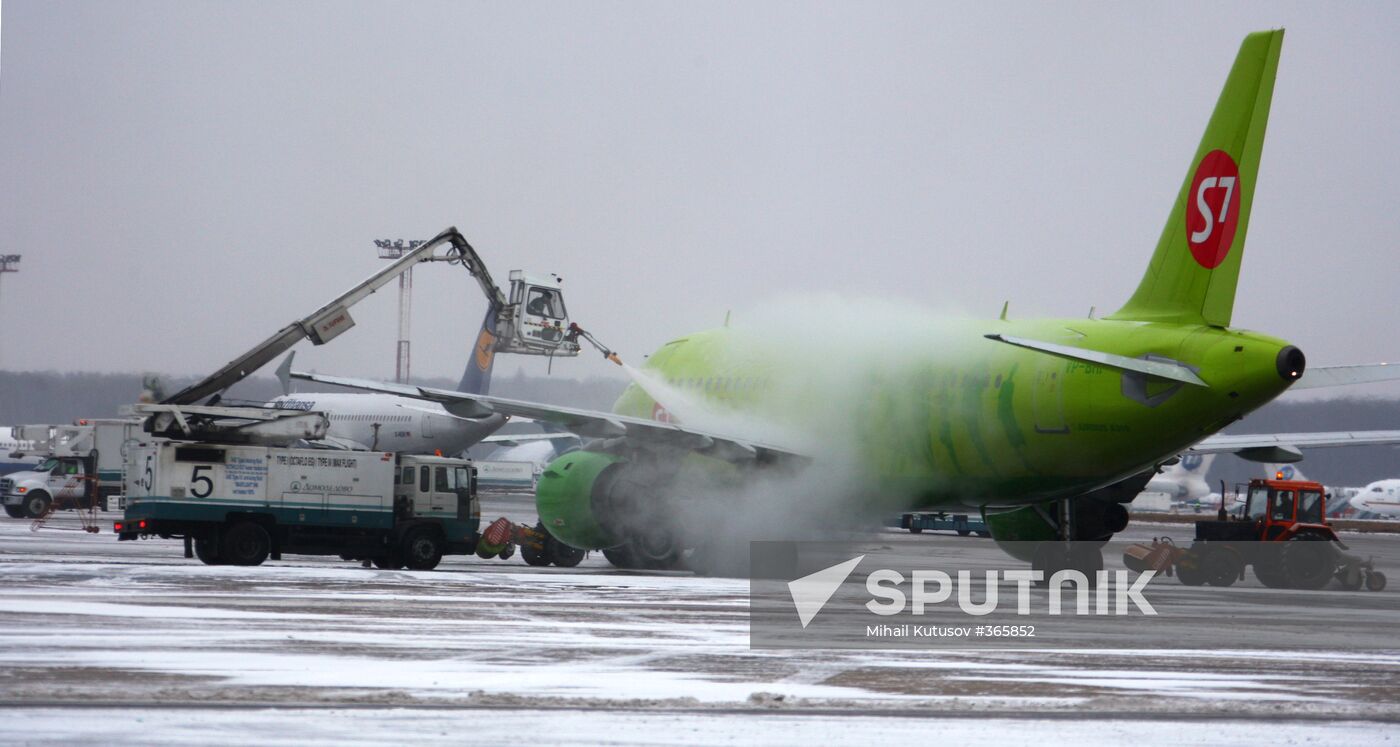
pixel 49 397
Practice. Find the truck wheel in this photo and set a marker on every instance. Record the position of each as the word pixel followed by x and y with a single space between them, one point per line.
pixel 964 532
pixel 422 549
pixel 37 504
pixel 562 555
pixel 1375 581
pixel 245 543
pixel 1308 562
pixel 204 550
pixel 914 529
pixel 16 512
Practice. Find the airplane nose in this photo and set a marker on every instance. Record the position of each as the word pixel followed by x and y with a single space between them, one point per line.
pixel 1291 362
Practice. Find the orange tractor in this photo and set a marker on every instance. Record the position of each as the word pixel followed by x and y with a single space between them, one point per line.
pixel 1281 530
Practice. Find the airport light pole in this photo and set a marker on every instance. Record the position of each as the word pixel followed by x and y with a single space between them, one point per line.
pixel 393 249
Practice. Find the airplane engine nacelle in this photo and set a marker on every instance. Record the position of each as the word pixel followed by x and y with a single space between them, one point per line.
pixel 1017 531
pixel 565 498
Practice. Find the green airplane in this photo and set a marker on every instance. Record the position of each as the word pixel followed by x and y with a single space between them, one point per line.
pixel 1047 426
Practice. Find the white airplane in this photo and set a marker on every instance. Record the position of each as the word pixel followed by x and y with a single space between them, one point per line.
pixel 1185 481
pixel 384 422
pixel 1380 498
pixel 538 449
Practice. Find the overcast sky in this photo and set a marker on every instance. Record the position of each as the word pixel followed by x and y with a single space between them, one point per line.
pixel 183 178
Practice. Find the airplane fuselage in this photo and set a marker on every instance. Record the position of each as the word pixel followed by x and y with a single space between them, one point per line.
pixel 944 416
pixel 1381 498
pixel 383 422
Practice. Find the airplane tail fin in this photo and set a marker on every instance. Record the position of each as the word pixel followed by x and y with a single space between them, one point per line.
pixel 1193 273
pixel 476 379
pixel 1196 464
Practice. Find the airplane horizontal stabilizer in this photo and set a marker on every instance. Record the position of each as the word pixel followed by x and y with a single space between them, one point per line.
pixel 1325 376
pixel 1158 368
pixel 1284 447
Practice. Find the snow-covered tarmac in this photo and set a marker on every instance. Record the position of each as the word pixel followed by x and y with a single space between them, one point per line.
pixel 110 642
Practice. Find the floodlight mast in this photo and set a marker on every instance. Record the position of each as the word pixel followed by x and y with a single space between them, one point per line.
pixel 395 249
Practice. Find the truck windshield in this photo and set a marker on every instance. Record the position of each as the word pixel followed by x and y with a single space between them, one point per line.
pixel 46 466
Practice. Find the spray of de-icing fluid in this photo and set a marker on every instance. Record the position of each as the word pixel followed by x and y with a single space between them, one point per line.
pixel 834 377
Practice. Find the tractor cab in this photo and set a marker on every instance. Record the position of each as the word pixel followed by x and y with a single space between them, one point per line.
pixel 1273 510
pixel 1281 508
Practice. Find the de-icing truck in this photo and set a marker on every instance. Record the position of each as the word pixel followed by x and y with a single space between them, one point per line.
pixel 241 504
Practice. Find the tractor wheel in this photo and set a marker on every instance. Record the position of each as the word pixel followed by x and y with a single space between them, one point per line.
pixel 422 548
pixel 1375 581
pixel 245 543
pixel 1221 566
pixel 1269 574
pixel 204 550
pixel 1190 566
pixel 1351 578
pixel 15 512
pixel 1308 562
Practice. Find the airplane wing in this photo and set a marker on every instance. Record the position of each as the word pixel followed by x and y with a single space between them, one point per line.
pixel 438 413
pixel 586 423
pixel 1284 447
pixel 522 438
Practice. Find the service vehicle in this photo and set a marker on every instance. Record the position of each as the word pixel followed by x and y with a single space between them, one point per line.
pixel 1281 530
pixel 80 465
pixel 242 504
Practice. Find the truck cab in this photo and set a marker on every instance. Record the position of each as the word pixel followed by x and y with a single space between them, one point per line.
pixel 438 488
pixel 54 482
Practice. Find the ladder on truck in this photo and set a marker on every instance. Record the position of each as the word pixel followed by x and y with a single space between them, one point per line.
pixel 87 517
